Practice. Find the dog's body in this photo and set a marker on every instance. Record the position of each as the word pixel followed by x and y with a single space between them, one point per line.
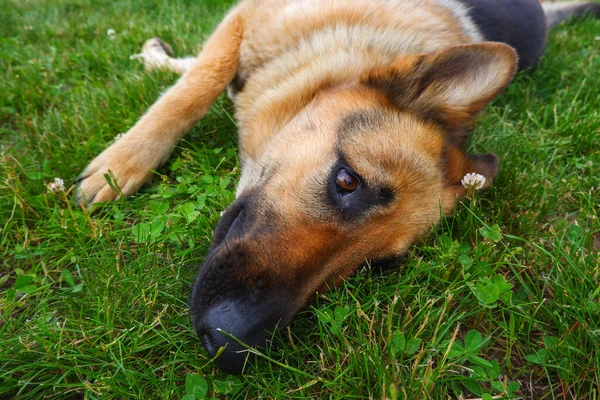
pixel 353 117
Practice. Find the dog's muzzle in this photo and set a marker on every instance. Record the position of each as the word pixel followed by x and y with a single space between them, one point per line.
pixel 251 324
pixel 234 295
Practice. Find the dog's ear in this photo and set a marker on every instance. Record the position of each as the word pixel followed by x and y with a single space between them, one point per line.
pixel 451 85
pixel 457 164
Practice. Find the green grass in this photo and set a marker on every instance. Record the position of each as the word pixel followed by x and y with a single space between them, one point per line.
pixel 502 299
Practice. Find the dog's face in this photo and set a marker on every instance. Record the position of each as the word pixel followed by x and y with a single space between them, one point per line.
pixel 359 174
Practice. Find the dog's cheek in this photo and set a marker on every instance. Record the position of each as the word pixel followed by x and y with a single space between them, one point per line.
pixel 450 196
pixel 455 164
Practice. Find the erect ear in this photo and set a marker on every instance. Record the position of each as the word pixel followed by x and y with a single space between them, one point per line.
pixel 451 85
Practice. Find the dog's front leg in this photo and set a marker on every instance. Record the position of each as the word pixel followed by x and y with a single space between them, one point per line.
pixel 131 159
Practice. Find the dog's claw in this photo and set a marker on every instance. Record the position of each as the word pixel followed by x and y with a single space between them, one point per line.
pixel 129 168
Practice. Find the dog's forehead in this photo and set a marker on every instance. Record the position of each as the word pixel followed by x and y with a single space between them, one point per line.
pixel 360 120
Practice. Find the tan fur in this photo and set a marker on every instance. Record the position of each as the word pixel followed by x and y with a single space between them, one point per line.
pixel 306 66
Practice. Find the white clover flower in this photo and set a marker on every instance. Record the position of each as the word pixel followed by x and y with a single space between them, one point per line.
pixel 473 181
pixel 57 186
pixel 111 33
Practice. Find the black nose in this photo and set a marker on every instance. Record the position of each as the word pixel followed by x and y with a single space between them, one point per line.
pixel 253 325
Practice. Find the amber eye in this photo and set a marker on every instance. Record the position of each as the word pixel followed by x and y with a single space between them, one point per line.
pixel 346 182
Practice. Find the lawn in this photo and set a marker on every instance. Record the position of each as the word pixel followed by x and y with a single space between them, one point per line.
pixel 500 301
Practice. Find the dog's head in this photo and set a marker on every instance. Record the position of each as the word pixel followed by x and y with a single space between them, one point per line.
pixel 359 174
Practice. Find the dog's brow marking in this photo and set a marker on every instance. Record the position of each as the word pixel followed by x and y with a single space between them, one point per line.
pixel 359 120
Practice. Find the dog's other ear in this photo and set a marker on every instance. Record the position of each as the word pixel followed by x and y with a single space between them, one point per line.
pixel 487 165
pixel 456 165
pixel 451 85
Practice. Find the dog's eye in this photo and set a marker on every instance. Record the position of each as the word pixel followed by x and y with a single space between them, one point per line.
pixel 346 182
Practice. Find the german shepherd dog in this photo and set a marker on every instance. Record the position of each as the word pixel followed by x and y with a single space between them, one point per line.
pixel 353 118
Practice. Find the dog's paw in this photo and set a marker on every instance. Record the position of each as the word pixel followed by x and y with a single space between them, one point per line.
pixel 157 46
pixel 127 165
pixel 156 54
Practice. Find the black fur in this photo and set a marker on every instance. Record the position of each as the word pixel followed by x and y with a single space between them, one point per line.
pixel 518 23
pixel 237 84
pixel 359 120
